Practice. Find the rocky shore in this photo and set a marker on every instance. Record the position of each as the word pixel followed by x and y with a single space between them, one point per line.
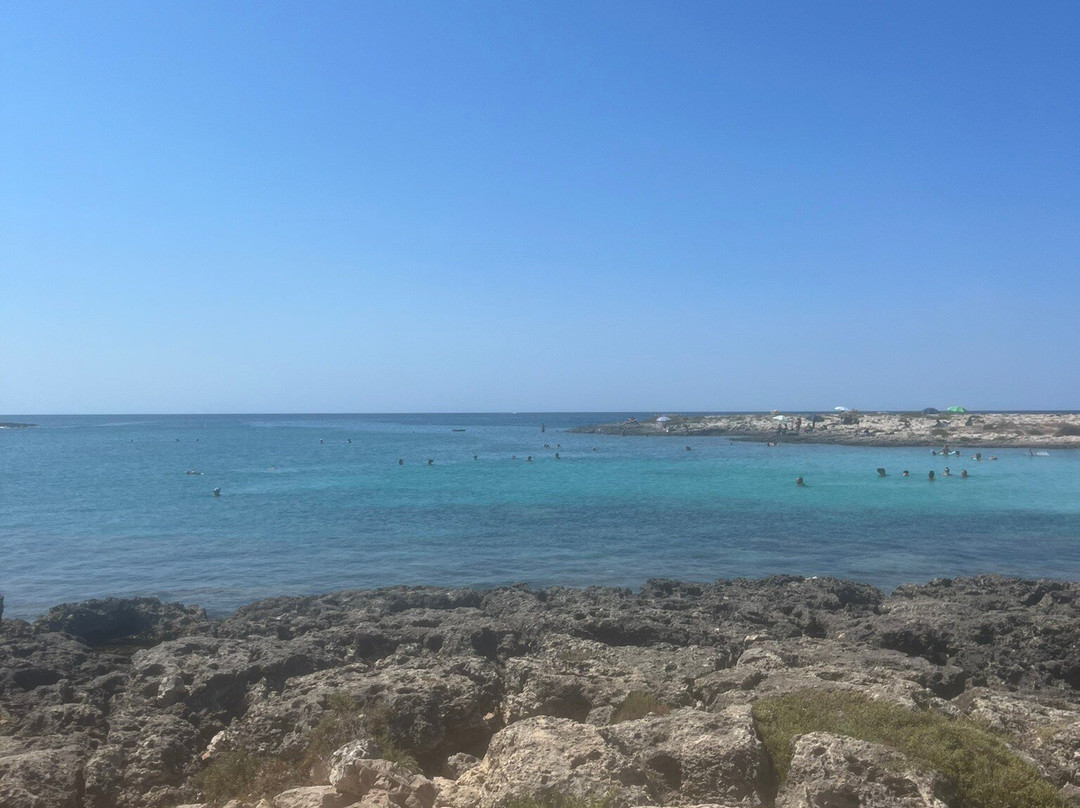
pixel 1003 430
pixel 776 692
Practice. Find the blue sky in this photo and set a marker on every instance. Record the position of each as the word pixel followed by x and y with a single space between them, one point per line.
pixel 364 207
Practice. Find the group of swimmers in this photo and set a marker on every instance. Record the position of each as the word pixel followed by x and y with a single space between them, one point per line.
pixel 931 476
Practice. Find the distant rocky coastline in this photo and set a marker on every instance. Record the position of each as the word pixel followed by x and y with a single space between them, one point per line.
pixel 679 694
pixel 959 430
pixel 15 425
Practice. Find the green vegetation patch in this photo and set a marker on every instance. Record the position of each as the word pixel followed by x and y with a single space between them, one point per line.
pixel 242 775
pixel 986 772
pixel 638 704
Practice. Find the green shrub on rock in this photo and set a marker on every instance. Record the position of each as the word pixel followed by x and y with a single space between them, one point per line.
pixel 987 773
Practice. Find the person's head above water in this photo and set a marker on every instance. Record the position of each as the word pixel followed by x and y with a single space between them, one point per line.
pixel 799 481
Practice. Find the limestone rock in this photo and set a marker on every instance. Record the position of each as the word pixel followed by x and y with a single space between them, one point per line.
pixel 456 765
pixel 694 756
pixel 833 771
pixel 543 755
pixel 1046 729
pixel 135 620
pixel 311 797
pixel 382 781
pixel 43 778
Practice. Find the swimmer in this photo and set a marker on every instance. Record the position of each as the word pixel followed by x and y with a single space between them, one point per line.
pixel 528 459
pixel 905 474
pixel 217 492
pixel 799 482
pixel 881 472
pixel 557 456
pixel 400 461
pixel 947 472
pixel 688 448
pixel 474 457
pixel 963 474
pixel 320 442
pixel 930 476
pixel 430 462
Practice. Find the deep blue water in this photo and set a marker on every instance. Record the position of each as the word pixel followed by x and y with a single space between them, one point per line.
pixel 92 506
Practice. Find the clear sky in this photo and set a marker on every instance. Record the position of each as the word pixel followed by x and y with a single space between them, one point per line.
pixel 474 206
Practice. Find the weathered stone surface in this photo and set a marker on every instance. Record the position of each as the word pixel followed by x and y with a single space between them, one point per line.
pixel 1047 730
pixel 311 797
pixel 43 778
pixel 133 620
pixel 694 756
pixel 586 680
pixel 832 771
pixel 457 764
pixel 541 756
pixel 769 667
pixel 443 673
pixel 384 781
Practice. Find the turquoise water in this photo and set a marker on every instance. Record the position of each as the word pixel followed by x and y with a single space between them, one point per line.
pixel 97 506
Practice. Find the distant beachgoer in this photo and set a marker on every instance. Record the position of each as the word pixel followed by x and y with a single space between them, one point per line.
pixel 474 457
pixel 880 472
pixel 905 474
pixel 933 452
pixel 528 459
pixel 400 462
pixel 799 482
pixel 513 457
pixel 947 472
pixel 993 457
pixel 688 448
pixel 963 474
pixel 557 456
pixel 594 448
pixel 430 462
pixel 320 442
pixel 930 476
pixel 543 428
pixel 217 492
pixel 349 440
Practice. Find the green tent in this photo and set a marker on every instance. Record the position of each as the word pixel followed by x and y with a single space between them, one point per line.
pixel 956 409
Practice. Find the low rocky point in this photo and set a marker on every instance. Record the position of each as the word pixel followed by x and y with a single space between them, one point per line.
pixel 783 691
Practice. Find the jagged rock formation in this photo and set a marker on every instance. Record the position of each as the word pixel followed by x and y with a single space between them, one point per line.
pixel 509 692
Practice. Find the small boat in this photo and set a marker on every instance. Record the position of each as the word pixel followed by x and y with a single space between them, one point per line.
pixel 459 430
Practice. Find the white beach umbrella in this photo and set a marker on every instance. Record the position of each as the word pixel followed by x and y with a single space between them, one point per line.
pixel 840 409
pixel 779 417
pixel 662 419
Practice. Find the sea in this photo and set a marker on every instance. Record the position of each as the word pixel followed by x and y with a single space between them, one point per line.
pixel 97 506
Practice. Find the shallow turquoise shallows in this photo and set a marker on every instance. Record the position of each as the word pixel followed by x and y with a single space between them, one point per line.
pixel 97 506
